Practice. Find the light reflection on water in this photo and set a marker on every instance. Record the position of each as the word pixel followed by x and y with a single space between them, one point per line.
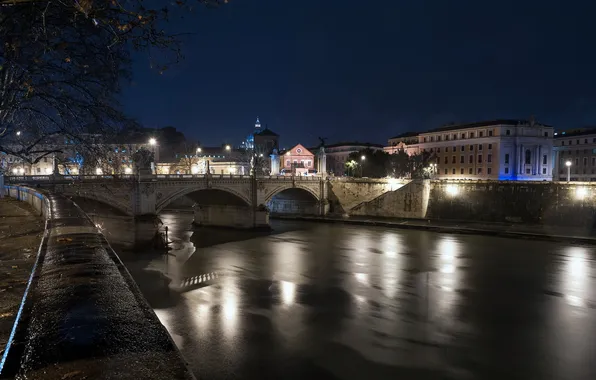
pixel 396 298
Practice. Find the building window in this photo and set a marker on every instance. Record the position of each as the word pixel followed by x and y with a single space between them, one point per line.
pixel 471 159
pixel 507 158
pixel 471 135
pixel 506 170
pixel 593 161
pixel 461 171
pixel 490 132
pixel 585 160
pixel 455 136
pixel 527 171
pixel 454 149
pixel 489 158
pixel 287 163
pixel 490 146
pixel 585 141
pixel 438 150
pixel 38 170
pixel 470 171
pixel 489 171
pixel 471 148
pixel 480 134
pixel 446 159
pixel 461 159
pixel 479 146
pixel 543 170
pixel 594 140
pixel 309 163
pixel 563 143
pixel 479 158
pixel 577 141
pixel 453 171
pixel 425 139
pixel 463 136
pixel 446 137
pixel 479 170
pixel 508 132
pixel 453 160
pixel 438 138
pixel 570 142
pixel 446 171
pixel 45 159
pixel 431 150
pixel 576 161
pixel 545 134
pixel 544 160
pixel 528 157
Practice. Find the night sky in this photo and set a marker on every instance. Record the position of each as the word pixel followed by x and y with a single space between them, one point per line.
pixel 369 70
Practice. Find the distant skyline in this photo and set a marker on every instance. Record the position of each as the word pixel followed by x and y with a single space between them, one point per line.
pixel 351 72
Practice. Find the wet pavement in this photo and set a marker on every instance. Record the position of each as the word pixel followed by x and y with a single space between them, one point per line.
pixel 351 302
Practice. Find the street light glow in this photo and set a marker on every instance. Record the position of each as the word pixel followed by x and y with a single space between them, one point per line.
pixel 363 158
pixel 18 133
pixel 152 141
pixel 452 190
pixel 228 147
pixel 568 163
pixel 127 170
pixel 199 150
pixel 581 192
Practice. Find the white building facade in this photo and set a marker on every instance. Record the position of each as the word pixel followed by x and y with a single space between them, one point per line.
pixel 579 148
pixel 516 150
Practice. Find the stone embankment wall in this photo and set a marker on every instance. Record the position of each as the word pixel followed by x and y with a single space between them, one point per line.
pixel 409 201
pixel 551 203
pixel 82 314
pixel 344 195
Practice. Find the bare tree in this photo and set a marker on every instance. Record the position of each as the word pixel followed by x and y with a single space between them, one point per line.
pixel 61 65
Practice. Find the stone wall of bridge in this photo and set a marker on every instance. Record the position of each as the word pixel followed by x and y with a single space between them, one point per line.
pixel 344 195
pixel 408 201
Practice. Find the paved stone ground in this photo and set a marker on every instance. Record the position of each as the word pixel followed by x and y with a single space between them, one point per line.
pixel 20 235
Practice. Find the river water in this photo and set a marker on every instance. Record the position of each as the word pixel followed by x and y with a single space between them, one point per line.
pixel 351 302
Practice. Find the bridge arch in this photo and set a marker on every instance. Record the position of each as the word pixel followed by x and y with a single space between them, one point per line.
pixel 281 188
pixel 162 203
pixel 297 200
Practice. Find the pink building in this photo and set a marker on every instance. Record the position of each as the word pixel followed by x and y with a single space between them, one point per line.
pixel 299 158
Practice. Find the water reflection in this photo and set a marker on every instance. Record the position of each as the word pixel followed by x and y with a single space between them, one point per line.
pixel 576 275
pixel 383 303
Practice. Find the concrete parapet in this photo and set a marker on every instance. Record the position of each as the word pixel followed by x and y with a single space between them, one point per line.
pixel 82 315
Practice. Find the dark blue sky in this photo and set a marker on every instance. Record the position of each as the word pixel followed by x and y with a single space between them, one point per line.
pixel 368 70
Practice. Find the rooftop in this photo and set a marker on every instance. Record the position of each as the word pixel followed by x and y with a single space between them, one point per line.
pixel 267 132
pixel 512 122
pixel 353 143
pixel 575 132
pixel 405 135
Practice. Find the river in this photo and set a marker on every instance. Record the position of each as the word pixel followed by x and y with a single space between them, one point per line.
pixel 351 302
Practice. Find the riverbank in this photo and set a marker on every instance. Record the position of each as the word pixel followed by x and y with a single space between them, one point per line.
pixel 523 231
pixel 20 234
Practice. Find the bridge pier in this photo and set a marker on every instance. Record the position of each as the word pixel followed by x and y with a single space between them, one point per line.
pixel 230 216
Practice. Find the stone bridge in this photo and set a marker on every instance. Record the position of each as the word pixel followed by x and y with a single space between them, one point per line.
pixel 229 200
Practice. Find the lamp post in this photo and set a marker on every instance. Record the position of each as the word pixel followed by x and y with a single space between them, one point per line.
pixel 362 159
pixel 153 142
pixel 568 164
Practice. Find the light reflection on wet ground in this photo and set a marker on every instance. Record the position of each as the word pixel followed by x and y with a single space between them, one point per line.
pixel 351 302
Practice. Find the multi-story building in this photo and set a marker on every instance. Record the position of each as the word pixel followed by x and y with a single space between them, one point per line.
pixel 578 147
pixel 499 149
pixel 297 160
pixel 406 142
pixel 337 154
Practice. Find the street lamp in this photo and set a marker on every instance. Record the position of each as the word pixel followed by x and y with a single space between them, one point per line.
pixel 362 158
pixel 18 133
pixel 568 164
pixel 228 148
pixel 152 141
pixel 199 150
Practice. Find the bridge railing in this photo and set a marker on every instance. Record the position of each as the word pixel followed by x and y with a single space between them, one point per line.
pixel 101 178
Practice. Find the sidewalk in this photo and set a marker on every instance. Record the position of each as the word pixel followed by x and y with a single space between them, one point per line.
pixel 525 231
pixel 20 235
